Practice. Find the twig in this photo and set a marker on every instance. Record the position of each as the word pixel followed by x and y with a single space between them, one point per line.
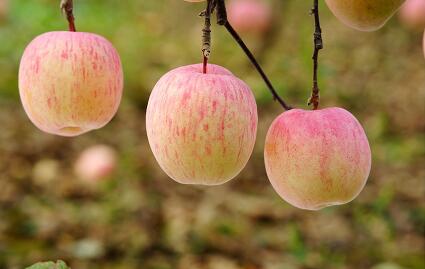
pixel 206 33
pixel 318 45
pixel 222 20
pixel 67 8
pixel 257 66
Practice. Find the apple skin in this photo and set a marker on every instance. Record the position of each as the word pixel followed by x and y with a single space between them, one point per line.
pixel 364 15
pixel 249 16
pixel 4 9
pixel 201 127
pixel 96 163
pixel 412 14
pixel 70 82
pixel 316 159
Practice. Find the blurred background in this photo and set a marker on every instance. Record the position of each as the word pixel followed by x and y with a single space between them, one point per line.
pixel 139 218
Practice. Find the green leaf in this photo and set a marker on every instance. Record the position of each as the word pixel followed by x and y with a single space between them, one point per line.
pixel 49 265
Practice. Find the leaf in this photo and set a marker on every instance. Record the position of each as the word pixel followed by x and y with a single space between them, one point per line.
pixel 49 265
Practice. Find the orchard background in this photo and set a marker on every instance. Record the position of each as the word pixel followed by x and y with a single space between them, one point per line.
pixel 140 218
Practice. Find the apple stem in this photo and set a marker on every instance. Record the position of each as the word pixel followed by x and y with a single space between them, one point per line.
pixel 205 65
pixel 67 8
pixel 318 45
pixel 206 33
pixel 222 20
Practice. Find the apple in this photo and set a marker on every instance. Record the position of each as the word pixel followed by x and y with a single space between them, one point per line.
pixel 70 82
pixel 364 15
pixel 96 163
pixel 201 127
pixel 318 158
pixel 250 16
pixel 412 13
pixel 4 8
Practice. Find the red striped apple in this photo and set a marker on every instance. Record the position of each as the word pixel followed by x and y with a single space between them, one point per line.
pixel 250 16
pixel 201 127
pixel 96 163
pixel 364 15
pixel 412 14
pixel 70 82
pixel 316 159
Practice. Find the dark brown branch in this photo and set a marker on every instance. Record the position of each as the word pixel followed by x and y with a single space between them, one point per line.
pixel 257 66
pixel 222 20
pixel 67 8
pixel 318 45
pixel 206 33
pixel 221 12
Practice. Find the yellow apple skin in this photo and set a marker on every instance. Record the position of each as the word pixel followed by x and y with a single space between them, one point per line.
pixel 70 82
pixel 201 127
pixel 364 15
pixel 316 159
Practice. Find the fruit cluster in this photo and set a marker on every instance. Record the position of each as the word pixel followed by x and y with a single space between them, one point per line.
pixel 201 125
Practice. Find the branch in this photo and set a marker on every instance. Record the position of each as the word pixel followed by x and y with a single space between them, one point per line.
pixel 257 66
pixel 318 45
pixel 67 7
pixel 222 20
pixel 206 33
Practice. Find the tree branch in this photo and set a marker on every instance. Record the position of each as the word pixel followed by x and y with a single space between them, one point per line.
pixel 222 20
pixel 206 33
pixel 318 45
pixel 67 8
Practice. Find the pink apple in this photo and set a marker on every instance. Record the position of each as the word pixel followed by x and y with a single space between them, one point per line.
pixel 201 127
pixel 96 163
pixel 412 13
pixel 70 82
pixel 316 159
pixel 250 16
pixel 4 8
